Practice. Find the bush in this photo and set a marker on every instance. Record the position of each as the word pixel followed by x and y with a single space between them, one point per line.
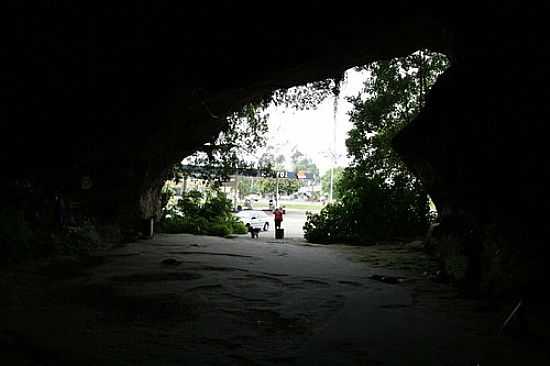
pixel 372 211
pixel 331 225
pixel 219 229
pixel 195 214
pixel 237 227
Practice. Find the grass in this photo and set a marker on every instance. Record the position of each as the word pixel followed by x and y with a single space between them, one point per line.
pixel 313 206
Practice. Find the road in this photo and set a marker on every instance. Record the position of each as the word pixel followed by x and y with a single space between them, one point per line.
pixel 293 223
pixel 293 220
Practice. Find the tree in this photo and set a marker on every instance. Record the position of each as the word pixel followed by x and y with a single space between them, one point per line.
pixel 379 197
pixel 301 162
pixel 306 96
pixel 392 96
pixel 267 186
pixel 245 131
pixel 325 182
pixel 233 149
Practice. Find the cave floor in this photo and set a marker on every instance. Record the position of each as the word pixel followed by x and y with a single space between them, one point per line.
pixel 244 301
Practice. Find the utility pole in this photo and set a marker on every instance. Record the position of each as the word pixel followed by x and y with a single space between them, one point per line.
pixel 184 185
pixel 277 191
pixel 331 182
pixel 235 188
pixel 333 152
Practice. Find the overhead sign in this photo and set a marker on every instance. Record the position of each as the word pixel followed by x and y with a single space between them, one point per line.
pixel 199 171
pixel 288 174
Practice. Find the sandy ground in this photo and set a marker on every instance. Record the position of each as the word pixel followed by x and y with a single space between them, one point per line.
pixel 242 301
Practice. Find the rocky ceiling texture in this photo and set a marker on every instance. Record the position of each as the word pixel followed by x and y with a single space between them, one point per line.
pixel 116 95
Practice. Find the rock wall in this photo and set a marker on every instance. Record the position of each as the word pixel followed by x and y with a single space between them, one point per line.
pixel 478 147
pixel 451 145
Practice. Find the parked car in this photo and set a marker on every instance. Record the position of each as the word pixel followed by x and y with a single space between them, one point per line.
pixel 254 218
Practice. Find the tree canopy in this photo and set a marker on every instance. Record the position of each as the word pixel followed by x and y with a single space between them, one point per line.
pixel 379 197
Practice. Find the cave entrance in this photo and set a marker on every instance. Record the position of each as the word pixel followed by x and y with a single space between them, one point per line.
pixel 327 142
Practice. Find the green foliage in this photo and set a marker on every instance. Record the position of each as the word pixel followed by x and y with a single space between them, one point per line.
pixel 376 210
pixel 233 149
pixel 196 214
pixel 379 197
pixel 246 186
pixel 325 182
pixel 219 229
pixel 304 97
pixel 237 227
pixel 331 225
pixel 245 132
pixel 269 160
pixel 301 162
pixel 286 186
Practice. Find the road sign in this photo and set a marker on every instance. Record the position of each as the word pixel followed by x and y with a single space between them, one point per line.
pixel 202 171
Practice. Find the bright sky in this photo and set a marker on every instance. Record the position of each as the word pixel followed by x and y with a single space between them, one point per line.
pixel 311 131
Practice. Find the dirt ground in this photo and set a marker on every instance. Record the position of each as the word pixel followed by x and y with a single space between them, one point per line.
pixel 195 300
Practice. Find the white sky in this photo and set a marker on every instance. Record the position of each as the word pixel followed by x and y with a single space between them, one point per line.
pixel 311 131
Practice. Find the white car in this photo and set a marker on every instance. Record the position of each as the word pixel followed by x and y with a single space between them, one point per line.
pixel 255 218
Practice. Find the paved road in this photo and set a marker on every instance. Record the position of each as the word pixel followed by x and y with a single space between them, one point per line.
pixel 293 223
pixel 195 300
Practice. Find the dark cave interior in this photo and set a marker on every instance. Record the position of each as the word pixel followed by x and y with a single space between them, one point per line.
pixel 116 95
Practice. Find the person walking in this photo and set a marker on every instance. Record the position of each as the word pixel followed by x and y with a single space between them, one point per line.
pixel 278 213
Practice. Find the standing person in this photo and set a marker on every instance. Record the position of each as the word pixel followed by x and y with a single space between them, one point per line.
pixel 278 213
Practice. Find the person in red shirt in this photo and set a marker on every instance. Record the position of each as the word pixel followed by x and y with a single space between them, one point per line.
pixel 278 213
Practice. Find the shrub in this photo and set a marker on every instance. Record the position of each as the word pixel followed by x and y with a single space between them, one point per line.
pixel 372 211
pixel 331 225
pixel 195 214
pixel 219 229
pixel 237 227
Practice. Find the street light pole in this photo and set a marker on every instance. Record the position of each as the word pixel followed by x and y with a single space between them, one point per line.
pixel 277 191
pixel 236 190
pixel 331 182
pixel 333 152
